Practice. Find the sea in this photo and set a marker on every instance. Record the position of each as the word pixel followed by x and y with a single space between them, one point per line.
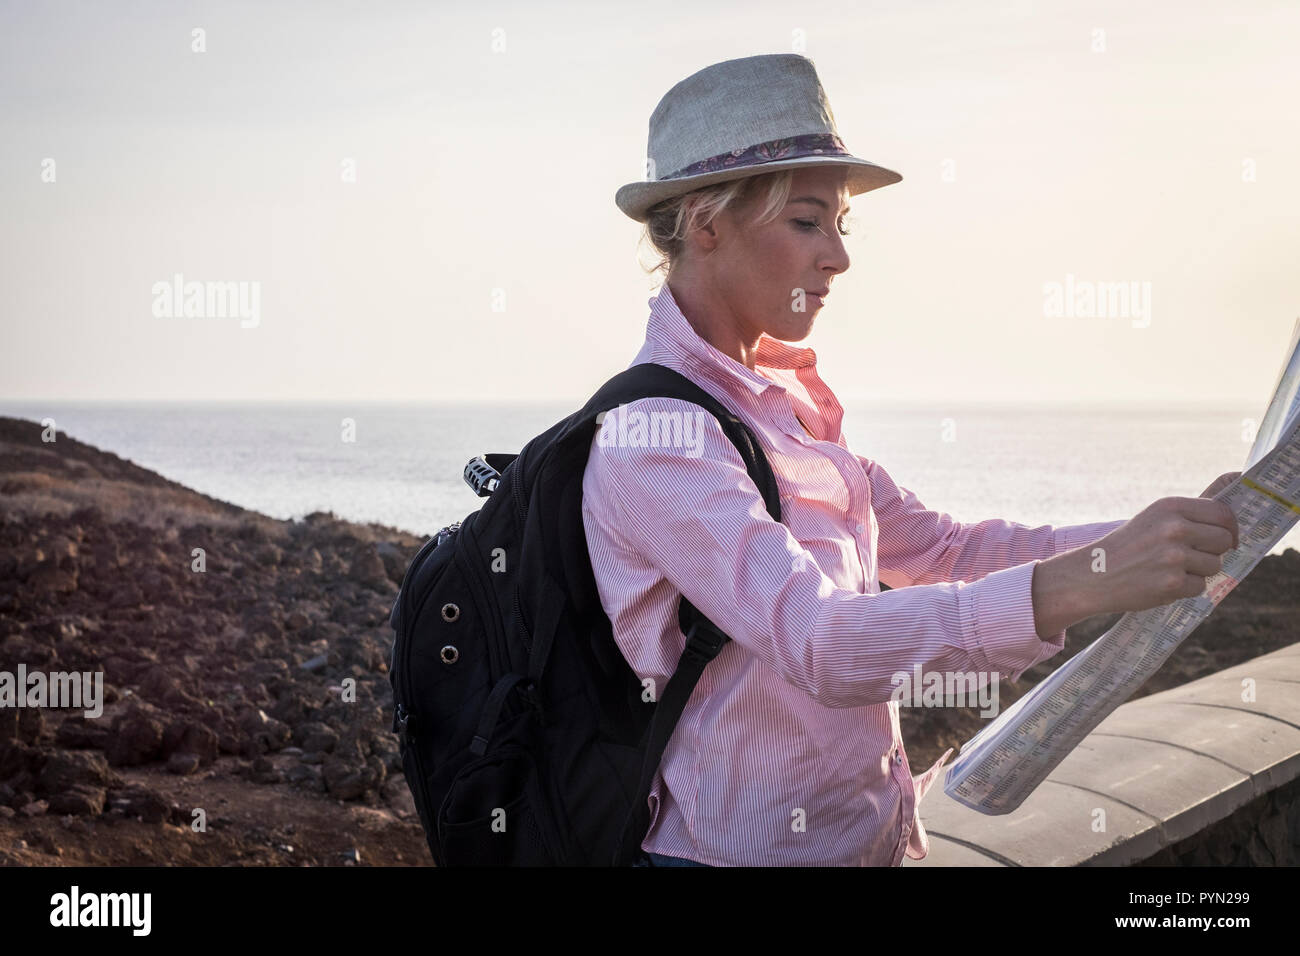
pixel 402 464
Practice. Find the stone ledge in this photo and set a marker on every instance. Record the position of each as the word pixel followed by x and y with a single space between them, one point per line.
pixel 1157 770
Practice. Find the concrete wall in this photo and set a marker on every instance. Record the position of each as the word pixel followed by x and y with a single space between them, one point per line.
pixel 1204 773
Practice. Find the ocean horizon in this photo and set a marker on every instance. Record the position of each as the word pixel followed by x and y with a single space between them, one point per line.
pixel 1054 464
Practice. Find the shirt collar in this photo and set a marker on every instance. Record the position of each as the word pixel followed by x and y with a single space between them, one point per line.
pixel 668 327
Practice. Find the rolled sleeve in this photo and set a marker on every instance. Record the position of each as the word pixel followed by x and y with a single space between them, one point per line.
pixel 697 517
pixel 1007 611
pixel 1005 622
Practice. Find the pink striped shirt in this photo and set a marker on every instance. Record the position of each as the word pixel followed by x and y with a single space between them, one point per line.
pixel 789 750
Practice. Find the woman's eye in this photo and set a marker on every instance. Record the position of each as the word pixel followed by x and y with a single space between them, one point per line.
pixel 810 224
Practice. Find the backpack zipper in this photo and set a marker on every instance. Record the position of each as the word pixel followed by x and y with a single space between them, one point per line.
pixel 525 629
pixel 421 556
pixel 521 507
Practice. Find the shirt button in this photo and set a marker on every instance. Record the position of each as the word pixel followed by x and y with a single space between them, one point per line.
pixel 860 528
pixel 898 757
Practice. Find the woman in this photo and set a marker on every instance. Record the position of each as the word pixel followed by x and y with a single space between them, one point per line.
pixel 789 750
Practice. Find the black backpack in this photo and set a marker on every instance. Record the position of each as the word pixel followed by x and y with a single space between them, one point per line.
pixel 525 736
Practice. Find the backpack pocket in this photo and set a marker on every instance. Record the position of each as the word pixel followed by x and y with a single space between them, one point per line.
pixel 494 814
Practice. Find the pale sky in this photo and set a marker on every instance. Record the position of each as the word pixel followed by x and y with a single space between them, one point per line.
pixel 1163 149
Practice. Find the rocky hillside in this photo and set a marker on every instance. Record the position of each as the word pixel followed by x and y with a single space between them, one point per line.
pixel 255 690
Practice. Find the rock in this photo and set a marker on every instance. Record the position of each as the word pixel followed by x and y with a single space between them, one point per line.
pixel 45 843
pixel 80 800
pixel 264 733
pixel 19 764
pixel 62 550
pixel 350 745
pixel 352 857
pixel 155 588
pixel 191 737
pixel 1258 852
pixel 367 568
pixel 79 733
pixel 320 738
pixel 294 707
pixel 57 629
pixel 398 796
pixel 37 656
pixel 316 663
pixel 296 621
pixel 141 802
pixel 160 683
pixel 183 764
pixel 268 776
pixel 346 780
pixel 136 739
pixel 52 579
pixel 394 559
pixel 1272 831
pixel 127 595
pixel 354 650
pixel 31 724
pixel 65 769
pixel 34 809
pixel 378 772
pixel 307 777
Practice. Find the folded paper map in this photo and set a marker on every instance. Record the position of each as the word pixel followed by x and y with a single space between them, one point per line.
pixel 1003 763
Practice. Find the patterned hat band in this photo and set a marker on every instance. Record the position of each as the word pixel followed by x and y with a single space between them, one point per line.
pixel 792 147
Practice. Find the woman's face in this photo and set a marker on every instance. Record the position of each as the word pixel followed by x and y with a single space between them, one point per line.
pixel 768 274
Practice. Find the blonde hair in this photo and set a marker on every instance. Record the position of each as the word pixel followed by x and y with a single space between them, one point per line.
pixel 669 222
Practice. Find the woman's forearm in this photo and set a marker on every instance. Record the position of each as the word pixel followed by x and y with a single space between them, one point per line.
pixel 1064 592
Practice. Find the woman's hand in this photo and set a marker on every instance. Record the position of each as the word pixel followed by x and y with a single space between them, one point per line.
pixel 1219 484
pixel 1166 552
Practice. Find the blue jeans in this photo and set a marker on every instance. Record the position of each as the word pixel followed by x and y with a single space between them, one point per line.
pixel 659 859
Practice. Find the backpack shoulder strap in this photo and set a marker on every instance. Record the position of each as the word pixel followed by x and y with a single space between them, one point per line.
pixel 704 639
pixel 651 380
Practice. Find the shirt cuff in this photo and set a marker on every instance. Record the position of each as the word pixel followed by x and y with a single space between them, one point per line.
pixel 999 613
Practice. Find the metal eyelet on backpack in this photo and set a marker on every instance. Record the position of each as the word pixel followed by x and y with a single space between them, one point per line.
pixel 450 612
pixel 449 654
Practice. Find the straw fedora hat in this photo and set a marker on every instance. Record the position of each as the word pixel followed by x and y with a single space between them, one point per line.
pixel 739 118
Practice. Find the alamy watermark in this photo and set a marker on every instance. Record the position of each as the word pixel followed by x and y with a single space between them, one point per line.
pixel 637 429
pixel 58 689
pixel 76 909
pixel 946 689
pixel 179 299
pixel 1081 298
